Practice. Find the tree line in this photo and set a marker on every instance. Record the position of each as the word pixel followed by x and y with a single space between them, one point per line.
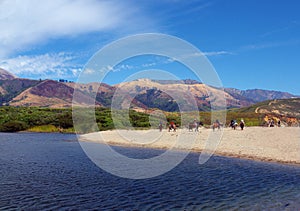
pixel 14 119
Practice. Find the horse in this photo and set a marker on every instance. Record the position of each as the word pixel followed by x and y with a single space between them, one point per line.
pixel 172 127
pixel 195 125
pixel 216 125
pixel 242 125
pixel 233 124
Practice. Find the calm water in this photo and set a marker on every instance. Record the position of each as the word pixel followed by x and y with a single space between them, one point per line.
pixel 50 171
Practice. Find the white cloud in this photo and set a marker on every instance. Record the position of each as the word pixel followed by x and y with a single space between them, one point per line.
pixel 89 71
pixel 146 65
pixel 216 53
pixel 24 23
pixel 58 65
pixel 270 45
pixel 122 67
pixel 106 69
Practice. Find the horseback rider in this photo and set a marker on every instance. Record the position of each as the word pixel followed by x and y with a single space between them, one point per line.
pixel 172 126
pixel 233 124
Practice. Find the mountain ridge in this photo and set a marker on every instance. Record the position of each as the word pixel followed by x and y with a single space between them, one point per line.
pixel 144 94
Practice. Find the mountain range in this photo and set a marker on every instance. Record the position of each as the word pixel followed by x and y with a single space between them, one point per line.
pixel 141 94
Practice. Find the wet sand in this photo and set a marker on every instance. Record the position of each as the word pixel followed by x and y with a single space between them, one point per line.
pixel 257 143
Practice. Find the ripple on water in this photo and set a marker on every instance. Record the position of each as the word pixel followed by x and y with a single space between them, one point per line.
pixel 45 172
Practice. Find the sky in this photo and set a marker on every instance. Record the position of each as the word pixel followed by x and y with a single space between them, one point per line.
pixel 250 43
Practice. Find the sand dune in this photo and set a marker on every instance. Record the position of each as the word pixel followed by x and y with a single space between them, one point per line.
pixel 258 143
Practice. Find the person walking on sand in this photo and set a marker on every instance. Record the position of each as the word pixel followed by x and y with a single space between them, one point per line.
pixel 160 126
pixel 196 125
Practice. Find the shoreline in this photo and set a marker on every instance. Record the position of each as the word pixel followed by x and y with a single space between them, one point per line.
pixel 216 153
pixel 272 145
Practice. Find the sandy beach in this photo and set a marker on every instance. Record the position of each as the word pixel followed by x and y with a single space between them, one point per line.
pixel 257 143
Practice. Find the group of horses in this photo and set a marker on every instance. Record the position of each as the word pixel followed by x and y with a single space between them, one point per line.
pixel 194 126
pixel 234 124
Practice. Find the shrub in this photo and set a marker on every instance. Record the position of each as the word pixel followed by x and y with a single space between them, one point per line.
pixel 13 126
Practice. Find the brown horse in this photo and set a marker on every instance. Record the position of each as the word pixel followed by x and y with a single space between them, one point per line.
pixel 216 125
pixel 242 125
pixel 195 125
pixel 172 127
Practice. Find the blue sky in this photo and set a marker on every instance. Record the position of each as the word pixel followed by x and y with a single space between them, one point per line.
pixel 251 44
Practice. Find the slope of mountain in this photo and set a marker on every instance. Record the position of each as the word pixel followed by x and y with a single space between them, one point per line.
pixel 258 95
pixel 5 75
pixel 279 107
pixel 12 88
pixel 163 94
pixel 50 94
pixel 101 92
pixel 285 110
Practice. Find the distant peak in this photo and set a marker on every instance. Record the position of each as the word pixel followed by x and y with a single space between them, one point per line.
pixel 185 81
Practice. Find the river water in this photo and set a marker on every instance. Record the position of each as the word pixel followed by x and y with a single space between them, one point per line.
pixel 51 171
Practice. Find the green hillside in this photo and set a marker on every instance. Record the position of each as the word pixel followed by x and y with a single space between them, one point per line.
pixel 282 107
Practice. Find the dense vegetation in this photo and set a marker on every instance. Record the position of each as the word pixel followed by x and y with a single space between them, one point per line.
pixel 14 119
pixel 35 119
pixel 23 118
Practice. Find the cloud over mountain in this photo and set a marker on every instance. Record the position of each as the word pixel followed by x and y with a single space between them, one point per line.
pixel 26 23
pixel 53 65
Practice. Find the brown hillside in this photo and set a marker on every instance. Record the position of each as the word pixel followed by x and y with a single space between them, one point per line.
pixel 49 94
pixel 204 95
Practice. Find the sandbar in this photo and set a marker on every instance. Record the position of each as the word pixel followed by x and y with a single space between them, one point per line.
pixel 278 144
